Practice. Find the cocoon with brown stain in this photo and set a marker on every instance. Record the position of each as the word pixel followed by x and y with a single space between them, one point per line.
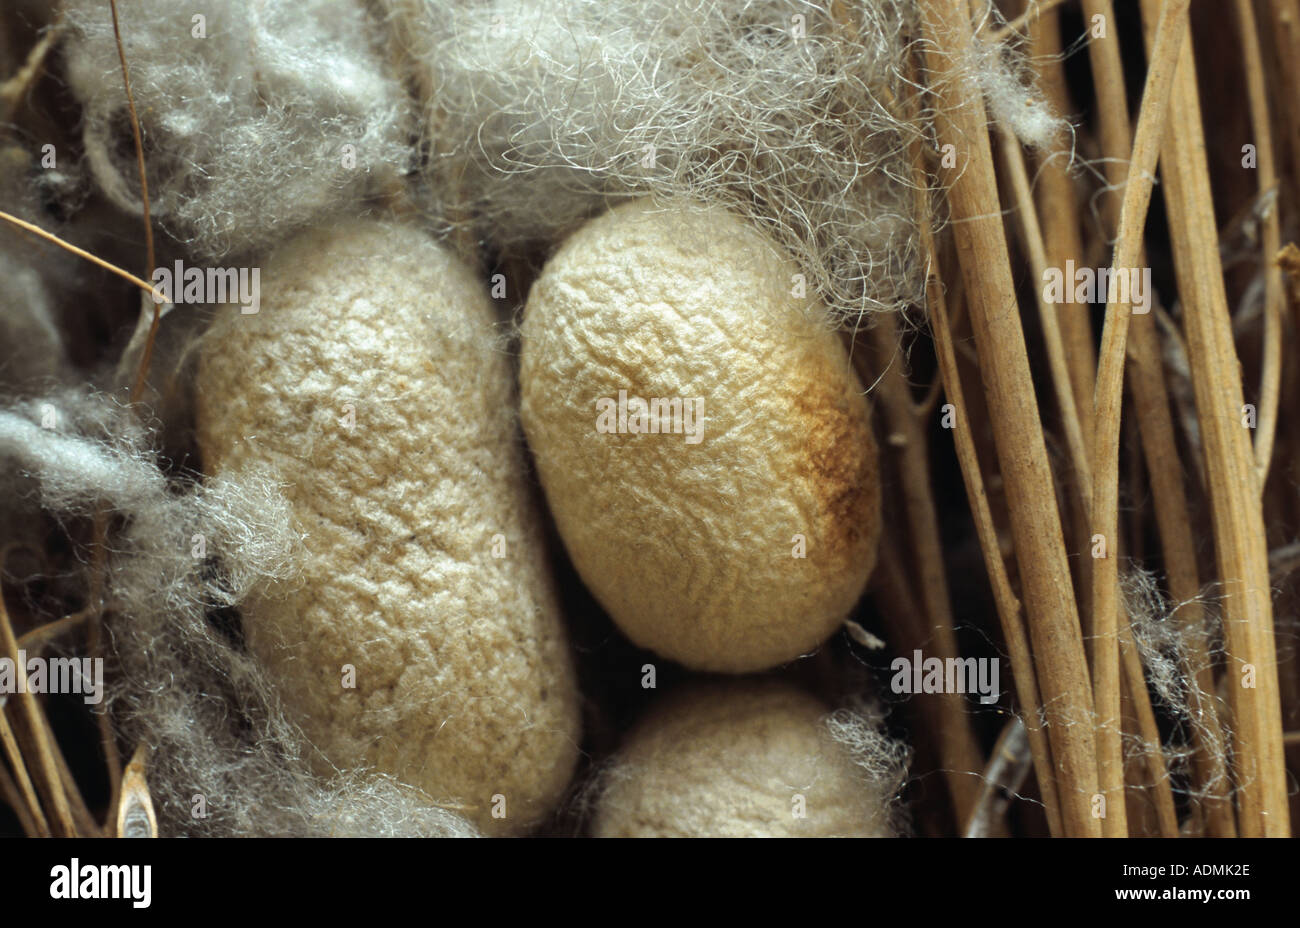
pixel 749 758
pixel 372 386
pixel 692 541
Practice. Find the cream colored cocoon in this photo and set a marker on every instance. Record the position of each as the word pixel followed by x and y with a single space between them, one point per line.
pixel 372 384
pixel 750 758
pixel 735 542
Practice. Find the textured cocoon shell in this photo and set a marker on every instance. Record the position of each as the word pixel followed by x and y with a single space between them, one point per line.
pixel 464 686
pixel 731 760
pixel 691 546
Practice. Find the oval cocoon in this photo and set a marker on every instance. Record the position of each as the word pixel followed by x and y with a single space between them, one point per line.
pixel 737 759
pixel 703 441
pixel 424 637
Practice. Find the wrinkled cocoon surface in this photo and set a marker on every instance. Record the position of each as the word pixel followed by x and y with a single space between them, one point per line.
pixel 464 686
pixel 691 547
pixel 737 759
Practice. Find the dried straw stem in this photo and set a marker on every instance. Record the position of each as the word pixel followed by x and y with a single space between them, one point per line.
pixel 1284 25
pixel 1008 606
pixel 1005 601
pixel 1036 9
pixel 13 797
pixel 1060 222
pixel 50 782
pixel 1156 433
pixel 1108 404
pixel 1058 215
pixel 149 311
pixel 1135 686
pixel 1271 239
pixel 15 88
pixel 1009 764
pixel 1233 484
pixel 80 253
pixel 958 751
pixel 29 809
pixel 1036 525
pixel 1064 381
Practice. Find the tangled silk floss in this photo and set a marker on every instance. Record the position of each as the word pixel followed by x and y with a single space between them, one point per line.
pixel 422 636
pixel 262 118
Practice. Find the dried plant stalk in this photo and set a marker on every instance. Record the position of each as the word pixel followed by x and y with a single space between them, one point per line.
pixel 1065 382
pixel 1013 409
pixel 29 809
pixel 49 783
pixel 1107 406
pixel 1156 433
pixel 1009 764
pixel 1058 215
pixel 1008 606
pixel 81 253
pixel 1236 512
pixel 1005 601
pixel 1148 730
pixel 1270 240
pixel 1284 26
pixel 13 797
pixel 958 752
pixel 1060 221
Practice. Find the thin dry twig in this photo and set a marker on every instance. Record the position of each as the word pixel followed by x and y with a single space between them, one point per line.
pixel 1284 28
pixel 958 751
pixel 1270 240
pixel 1233 483
pixel 36 230
pixel 149 312
pixel 1058 214
pixel 1107 407
pixel 51 784
pixel 13 89
pixel 1009 764
pixel 13 797
pixel 150 318
pixel 961 120
pixel 1005 601
pixel 1062 246
pixel 1057 356
pixel 30 807
pixel 1027 18
pixel 1156 434
pixel 36 639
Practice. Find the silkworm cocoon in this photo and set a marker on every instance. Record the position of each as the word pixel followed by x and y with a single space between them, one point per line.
pixel 750 758
pixel 734 526
pixel 424 637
